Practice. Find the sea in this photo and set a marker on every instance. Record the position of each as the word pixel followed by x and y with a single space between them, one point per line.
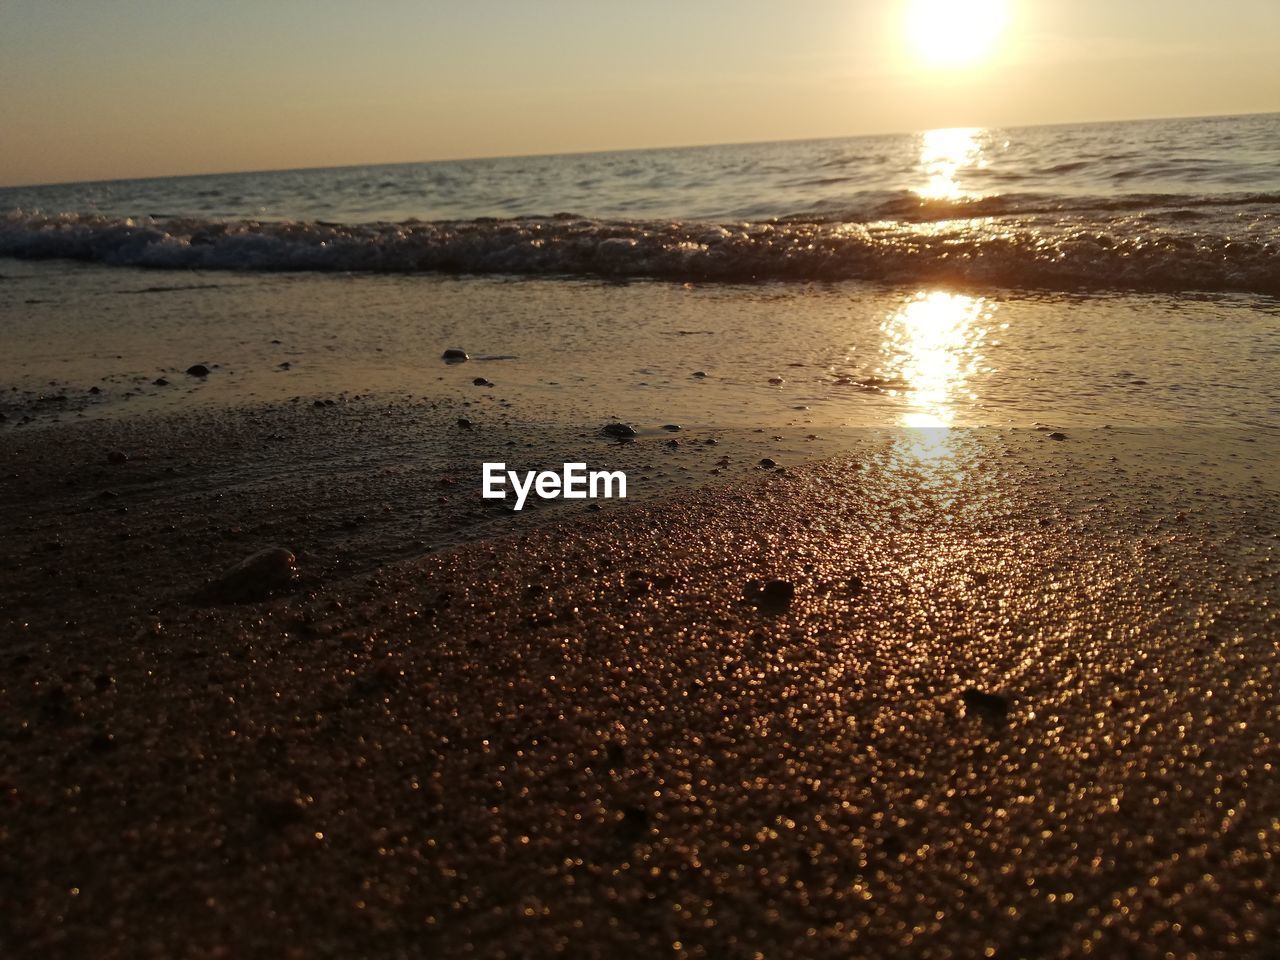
pixel 1090 273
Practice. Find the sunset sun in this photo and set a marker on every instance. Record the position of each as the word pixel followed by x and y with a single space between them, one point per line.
pixel 954 33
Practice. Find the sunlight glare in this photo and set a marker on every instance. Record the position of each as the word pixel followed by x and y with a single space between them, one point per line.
pixel 943 153
pixel 954 33
pixel 933 344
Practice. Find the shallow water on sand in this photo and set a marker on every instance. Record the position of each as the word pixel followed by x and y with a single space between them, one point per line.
pixel 811 355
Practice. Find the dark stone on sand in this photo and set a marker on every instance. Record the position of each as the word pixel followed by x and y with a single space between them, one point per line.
pixel 198 370
pixel 1056 435
pixel 699 374
pixel 117 457
pixel 673 443
pixel 102 743
pixel 776 380
pixel 454 355
pixel 615 755
pixel 482 382
pixel 855 586
pixel 633 824
pixel 672 427
pixel 994 706
pixel 258 576
pixel 276 813
pixel 620 431
pixel 318 403
pixel 160 382
pixel 56 702
pixel 776 595
pixel 464 423
pixel 285 365
pixel 768 463
pixel 95 390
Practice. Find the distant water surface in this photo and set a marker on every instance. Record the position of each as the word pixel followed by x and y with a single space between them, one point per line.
pixel 1154 205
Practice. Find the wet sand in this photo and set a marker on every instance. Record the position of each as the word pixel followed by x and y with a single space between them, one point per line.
pixel 1021 703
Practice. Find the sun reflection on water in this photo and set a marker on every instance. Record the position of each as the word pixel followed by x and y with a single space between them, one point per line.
pixel 943 154
pixel 932 348
pixel 931 351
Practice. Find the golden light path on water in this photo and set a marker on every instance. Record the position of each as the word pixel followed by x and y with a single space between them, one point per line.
pixel 932 345
pixel 943 154
pixel 931 349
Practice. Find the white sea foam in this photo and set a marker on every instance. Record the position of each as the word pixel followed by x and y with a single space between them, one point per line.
pixel 1058 252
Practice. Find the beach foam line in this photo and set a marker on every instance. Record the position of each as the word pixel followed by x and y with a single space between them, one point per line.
pixel 1057 253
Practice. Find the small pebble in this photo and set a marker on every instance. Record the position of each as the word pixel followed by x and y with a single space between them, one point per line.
pixel 102 742
pixel 257 576
pixel 275 813
pixel 776 595
pixel 198 370
pixel 991 705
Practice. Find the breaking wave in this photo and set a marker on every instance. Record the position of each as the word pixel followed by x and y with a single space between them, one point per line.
pixel 1055 251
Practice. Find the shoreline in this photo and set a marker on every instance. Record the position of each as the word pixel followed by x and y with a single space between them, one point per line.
pixel 110 515
pixel 1021 699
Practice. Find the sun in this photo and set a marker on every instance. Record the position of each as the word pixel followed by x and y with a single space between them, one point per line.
pixel 954 33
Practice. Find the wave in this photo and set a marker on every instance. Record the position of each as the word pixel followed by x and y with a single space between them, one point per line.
pixel 1057 254
pixel 909 206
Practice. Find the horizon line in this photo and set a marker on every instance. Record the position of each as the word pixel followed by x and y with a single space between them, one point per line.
pixel 609 150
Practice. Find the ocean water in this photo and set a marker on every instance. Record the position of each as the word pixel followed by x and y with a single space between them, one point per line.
pixel 1077 276
pixel 1164 205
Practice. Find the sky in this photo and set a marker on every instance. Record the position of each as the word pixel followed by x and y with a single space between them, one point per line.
pixel 106 89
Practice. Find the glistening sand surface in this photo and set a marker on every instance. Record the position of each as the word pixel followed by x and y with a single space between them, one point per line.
pixel 580 737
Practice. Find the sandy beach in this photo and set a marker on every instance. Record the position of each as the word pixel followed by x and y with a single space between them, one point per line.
pixel 935 343
pixel 1015 697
